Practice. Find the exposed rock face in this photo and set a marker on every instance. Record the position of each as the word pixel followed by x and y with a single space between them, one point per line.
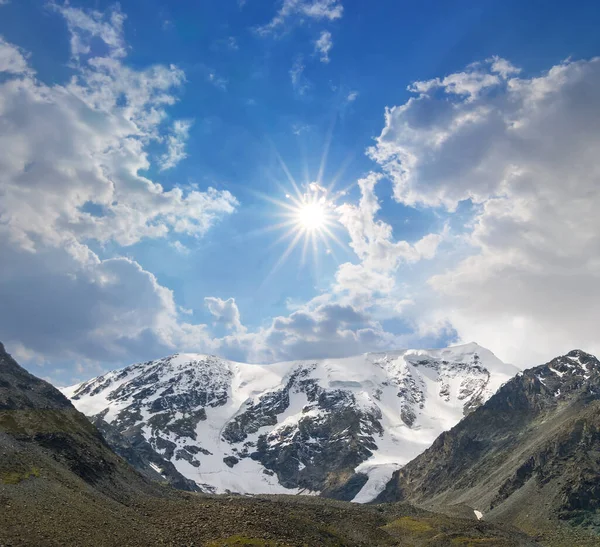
pixel 42 434
pixel 335 427
pixel 529 456
pixel 141 456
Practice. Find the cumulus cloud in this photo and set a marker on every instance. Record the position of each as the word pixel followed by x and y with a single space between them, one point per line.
pixel 323 45
pixel 63 303
pixel 225 312
pixel 291 10
pixel 71 157
pixel 13 60
pixel 372 239
pixel 524 150
pixel 320 328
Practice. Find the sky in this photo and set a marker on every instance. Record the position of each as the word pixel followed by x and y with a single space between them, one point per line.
pixel 271 180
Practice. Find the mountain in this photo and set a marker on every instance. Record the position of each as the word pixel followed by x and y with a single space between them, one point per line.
pixel 60 485
pixel 142 457
pixel 529 457
pixel 336 427
pixel 56 470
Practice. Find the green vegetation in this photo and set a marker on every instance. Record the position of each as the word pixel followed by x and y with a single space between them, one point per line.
pixel 473 542
pixel 410 524
pixel 14 477
pixel 244 541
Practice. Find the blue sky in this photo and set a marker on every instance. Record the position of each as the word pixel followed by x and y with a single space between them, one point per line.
pixel 149 147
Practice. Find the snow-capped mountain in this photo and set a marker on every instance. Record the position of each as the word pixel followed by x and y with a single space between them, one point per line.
pixel 336 427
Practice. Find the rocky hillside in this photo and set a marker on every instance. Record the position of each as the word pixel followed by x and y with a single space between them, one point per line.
pixel 60 485
pixel 39 426
pixel 338 427
pixel 529 457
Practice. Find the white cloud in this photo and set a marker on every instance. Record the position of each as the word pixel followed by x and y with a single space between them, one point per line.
pixel 299 82
pixel 180 247
pixel 85 26
pixel 318 329
pixel 70 161
pixel 176 145
pixel 13 60
pixel 323 45
pixel 525 150
pixel 290 10
pixel 352 96
pixel 80 147
pixel 372 240
pixel 503 67
pixel 225 312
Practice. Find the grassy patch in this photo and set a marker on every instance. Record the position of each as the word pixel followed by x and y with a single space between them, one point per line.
pixel 473 542
pixel 14 477
pixel 242 541
pixel 409 524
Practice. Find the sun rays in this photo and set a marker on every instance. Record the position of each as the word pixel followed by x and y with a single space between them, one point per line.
pixel 309 220
pixel 307 214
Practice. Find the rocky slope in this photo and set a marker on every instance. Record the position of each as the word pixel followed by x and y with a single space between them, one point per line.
pixel 60 485
pixel 529 457
pixel 338 427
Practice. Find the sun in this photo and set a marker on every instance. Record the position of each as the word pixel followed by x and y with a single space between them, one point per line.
pixel 312 217
pixel 309 219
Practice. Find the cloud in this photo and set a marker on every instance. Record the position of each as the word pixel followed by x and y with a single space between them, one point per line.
pixel 13 60
pixel 372 239
pixel 290 10
pixel 217 81
pixel 225 312
pixel 299 82
pixel 321 328
pixel 66 303
pixel 180 247
pixel 352 96
pixel 176 145
pixel 85 26
pixel 229 43
pixel 323 45
pixel 71 157
pixel 524 149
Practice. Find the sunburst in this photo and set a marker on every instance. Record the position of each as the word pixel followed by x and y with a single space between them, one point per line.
pixel 309 219
pixel 309 214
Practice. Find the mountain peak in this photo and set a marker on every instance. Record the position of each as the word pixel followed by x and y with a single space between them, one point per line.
pixel 338 426
pixel 526 455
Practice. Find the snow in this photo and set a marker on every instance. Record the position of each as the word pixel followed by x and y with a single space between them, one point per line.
pixel 156 468
pixel 541 379
pixel 478 514
pixel 379 475
pixel 441 380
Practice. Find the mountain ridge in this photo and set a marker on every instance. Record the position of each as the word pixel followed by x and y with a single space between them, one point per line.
pixel 529 456
pixel 60 485
pixel 338 427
